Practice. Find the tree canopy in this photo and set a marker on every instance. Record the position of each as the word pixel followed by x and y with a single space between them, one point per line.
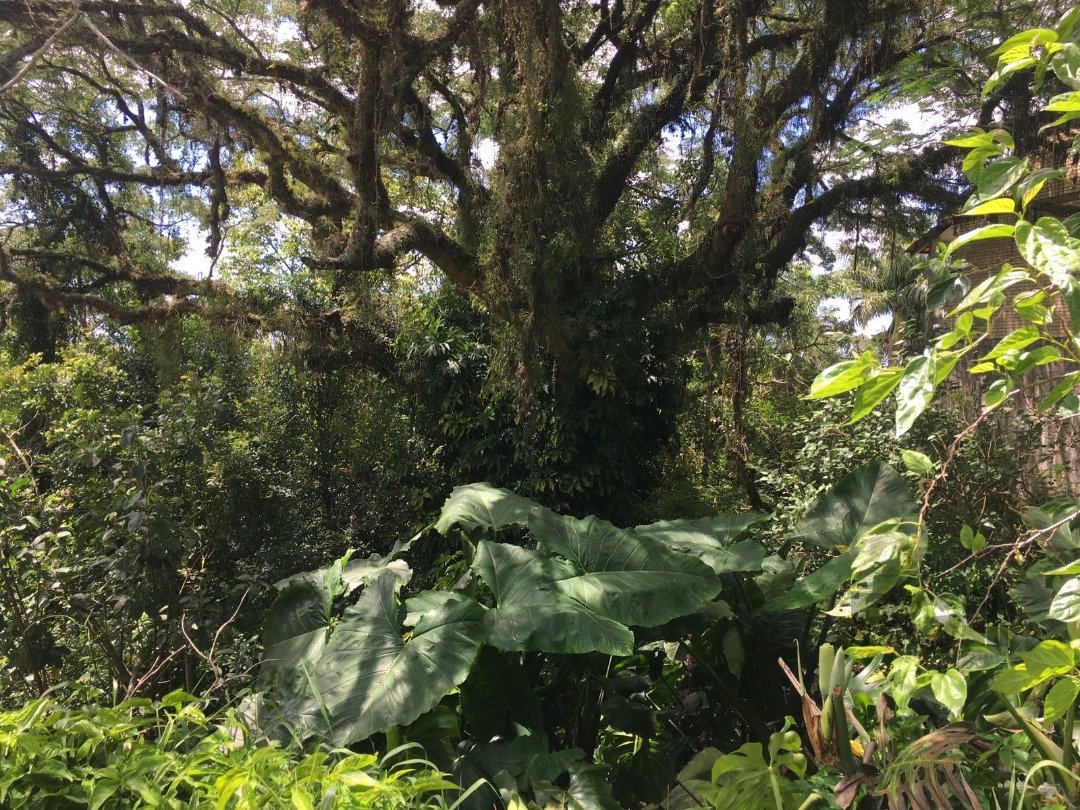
pixel 548 158
pixel 593 184
pixel 518 440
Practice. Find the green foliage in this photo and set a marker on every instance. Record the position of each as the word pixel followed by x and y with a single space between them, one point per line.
pixel 155 476
pixel 170 754
pixel 579 591
pixel 1003 185
pixel 856 504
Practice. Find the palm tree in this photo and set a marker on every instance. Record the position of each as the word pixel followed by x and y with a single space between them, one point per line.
pixel 895 284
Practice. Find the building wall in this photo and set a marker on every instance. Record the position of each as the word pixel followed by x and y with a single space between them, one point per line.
pixel 1056 458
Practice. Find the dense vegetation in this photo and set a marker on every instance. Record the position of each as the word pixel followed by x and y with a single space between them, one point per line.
pixel 298 524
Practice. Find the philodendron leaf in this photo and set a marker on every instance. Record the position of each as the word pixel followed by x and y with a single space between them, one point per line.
pixel 603 581
pixel 370 677
pixel 632 579
pixel 531 615
pixel 589 789
pixel 815 587
pixel 588 581
pixel 295 633
pixel 711 539
pixel 714 530
pixel 860 501
pixel 487 507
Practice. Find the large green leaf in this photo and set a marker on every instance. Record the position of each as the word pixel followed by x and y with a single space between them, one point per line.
pixel 1049 248
pixel 588 789
pixel 298 621
pixel 1066 604
pixel 370 677
pixel 711 539
pixel 531 615
pixel 999 176
pixel 714 530
pixel 914 393
pixel 815 587
pixel 843 377
pixel 861 500
pixel 632 579
pixel 295 632
pixel 487 507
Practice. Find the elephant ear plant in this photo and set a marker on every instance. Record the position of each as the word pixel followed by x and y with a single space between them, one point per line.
pixel 347 657
pixel 577 586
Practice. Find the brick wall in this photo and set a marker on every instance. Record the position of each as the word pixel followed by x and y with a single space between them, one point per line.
pixel 1056 459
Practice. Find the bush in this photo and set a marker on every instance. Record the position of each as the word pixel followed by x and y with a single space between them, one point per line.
pixel 170 754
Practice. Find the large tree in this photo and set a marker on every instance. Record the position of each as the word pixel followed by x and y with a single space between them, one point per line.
pixel 599 181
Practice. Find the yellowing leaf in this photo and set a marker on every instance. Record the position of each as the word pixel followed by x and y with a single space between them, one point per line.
pixel 1001 205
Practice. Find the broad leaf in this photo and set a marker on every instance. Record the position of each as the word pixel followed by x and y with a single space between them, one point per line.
pixel 1048 659
pixel 718 529
pixel 1001 205
pixel 843 377
pixel 1066 604
pixel 632 579
pixel 710 539
pixel 370 677
pixel 814 587
pixel 985 232
pixel 1013 680
pixel 1048 247
pixel 999 176
pixel 917 463
pixel 861 500
pixel 872 392
pixel 1060 698
pixel 914 393
pixel 483 506
pixel 588 789
pixel 1014 341
pixel 950 690
pixel 531 615
pixel 868 587
pixel 295 633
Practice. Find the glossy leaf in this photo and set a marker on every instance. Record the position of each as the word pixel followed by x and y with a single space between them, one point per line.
pixel 485 507
pixel 1000 176
pixel 917 463
pixel 1047 246
pixel 619 571
pixel 1001 205
pixel 1060 698
pixel 977 234
pixel 531 615
pixel 872 392
pixel 1066 604
pixel 914 393
pixel 843 377
pixel 814 587
pixel 950 690
pixel 711 540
